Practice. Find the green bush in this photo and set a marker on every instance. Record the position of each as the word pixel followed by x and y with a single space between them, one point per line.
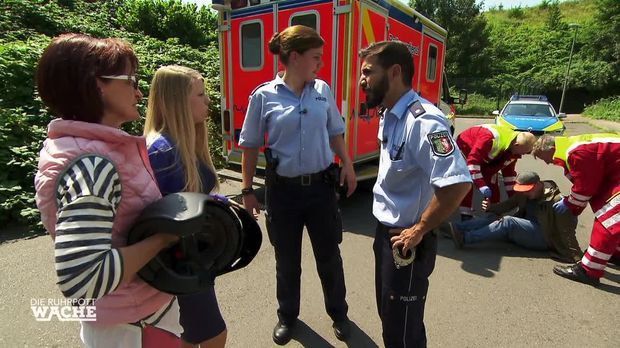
pixel 17 62
pixel 479 105
pixel 516 12
pixel 605 109
pixel 21 133
pixel 165 19
pixel 26 28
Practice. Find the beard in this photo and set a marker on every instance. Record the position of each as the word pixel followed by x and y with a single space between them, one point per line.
pixel 376 94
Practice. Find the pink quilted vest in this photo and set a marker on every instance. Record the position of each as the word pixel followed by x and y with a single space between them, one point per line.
pixel 67 140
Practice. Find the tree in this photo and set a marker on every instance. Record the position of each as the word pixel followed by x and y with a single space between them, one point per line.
pixel 468 37
pixel 606 40
pixel 554 16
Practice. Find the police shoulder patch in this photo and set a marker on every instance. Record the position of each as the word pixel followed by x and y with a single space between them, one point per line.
pixel 441 143
pixel 416 109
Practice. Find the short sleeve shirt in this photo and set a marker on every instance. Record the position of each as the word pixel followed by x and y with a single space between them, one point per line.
pixel 417 155
pixel 298 128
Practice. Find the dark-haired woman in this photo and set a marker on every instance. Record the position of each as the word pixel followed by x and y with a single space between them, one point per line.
pixel 298 113
pixel 93 181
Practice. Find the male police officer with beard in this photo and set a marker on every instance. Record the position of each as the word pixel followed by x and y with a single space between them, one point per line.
pixel 422 179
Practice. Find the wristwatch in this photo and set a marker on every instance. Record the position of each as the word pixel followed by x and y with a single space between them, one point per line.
pixel 246 191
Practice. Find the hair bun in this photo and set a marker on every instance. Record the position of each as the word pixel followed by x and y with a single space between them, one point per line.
pixel 274 44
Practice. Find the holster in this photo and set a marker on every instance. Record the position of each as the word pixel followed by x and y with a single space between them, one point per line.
pixel 270 166
pixel 332 177
pixel 332 174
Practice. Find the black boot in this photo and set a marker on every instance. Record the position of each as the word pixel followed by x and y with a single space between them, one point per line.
pixel 577 273
pixel 342 329
pixel 283 332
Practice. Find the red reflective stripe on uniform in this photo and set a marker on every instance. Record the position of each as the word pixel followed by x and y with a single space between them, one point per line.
pixel 576 202
pixel 598 254
pixel 580 197
pixel 612 220
pixel 473 167
pixel 603 242
pixel 613 203
pixel 585 260
pixel 476 176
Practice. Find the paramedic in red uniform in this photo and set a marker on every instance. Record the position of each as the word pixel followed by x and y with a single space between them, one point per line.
pixel 488 149
pixel 592 163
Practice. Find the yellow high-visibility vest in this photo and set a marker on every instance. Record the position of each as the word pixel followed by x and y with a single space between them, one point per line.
pixel 564 145
pixel 502 138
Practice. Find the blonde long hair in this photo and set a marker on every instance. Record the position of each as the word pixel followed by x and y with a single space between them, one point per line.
pixel 169 112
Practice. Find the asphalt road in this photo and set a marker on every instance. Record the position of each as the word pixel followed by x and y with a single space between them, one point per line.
pixel 488 295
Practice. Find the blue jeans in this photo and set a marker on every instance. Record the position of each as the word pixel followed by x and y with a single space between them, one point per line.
pixel 522 232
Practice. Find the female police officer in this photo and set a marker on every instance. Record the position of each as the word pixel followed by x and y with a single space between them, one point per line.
pixel 421 181
pixel 299 114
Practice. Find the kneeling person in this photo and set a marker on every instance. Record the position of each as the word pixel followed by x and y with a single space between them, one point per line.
pixel 535 225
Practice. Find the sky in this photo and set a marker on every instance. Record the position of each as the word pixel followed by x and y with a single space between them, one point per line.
pixel 487 3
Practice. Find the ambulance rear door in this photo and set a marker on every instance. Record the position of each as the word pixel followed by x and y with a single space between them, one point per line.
pixel 430 72
pixel 249 64
pixel 373 21
pixel 317 15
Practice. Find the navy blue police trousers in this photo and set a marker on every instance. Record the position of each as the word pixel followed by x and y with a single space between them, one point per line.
pixel 291 205
pixel 401 292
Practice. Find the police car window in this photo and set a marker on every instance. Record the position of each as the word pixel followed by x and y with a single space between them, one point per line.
pixel 307 19
pixel 541 110
pixel 528 110
pixel 431 65
pixel 252 45
pixel 515 110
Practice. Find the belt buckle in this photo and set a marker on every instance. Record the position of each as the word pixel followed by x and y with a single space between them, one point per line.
pixel 306 180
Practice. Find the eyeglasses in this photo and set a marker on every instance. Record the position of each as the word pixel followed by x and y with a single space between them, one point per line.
pixel 130 78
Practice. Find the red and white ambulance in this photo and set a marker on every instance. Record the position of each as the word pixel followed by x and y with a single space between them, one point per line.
pixel 246 26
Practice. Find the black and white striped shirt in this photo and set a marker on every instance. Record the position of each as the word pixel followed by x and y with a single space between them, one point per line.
pixel 88 195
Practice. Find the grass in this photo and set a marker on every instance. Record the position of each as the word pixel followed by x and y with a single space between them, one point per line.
pixel 604 109
pixel 478 104
pixel 572 12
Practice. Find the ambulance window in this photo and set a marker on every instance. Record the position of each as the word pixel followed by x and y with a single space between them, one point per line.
pixel 309 19
pixel 252 45
pixel 431 65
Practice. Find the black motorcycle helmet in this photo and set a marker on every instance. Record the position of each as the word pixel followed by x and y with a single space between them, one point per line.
pixel 217 236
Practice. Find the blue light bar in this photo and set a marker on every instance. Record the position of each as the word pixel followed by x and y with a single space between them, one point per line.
pixel 528 97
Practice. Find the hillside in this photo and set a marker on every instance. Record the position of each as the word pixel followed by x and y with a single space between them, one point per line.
pixel 573 11
pixel 529 50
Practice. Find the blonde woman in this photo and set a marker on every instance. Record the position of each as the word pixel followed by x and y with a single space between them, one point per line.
pixel 178 148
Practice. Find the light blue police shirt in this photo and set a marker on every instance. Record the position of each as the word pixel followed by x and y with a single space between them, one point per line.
pixel 418 155
pixel 299 128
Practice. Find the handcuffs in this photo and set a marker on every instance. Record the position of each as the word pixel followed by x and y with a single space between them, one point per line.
pixel 401 260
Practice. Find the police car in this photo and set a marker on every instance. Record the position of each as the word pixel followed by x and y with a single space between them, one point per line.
pixel 531 113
